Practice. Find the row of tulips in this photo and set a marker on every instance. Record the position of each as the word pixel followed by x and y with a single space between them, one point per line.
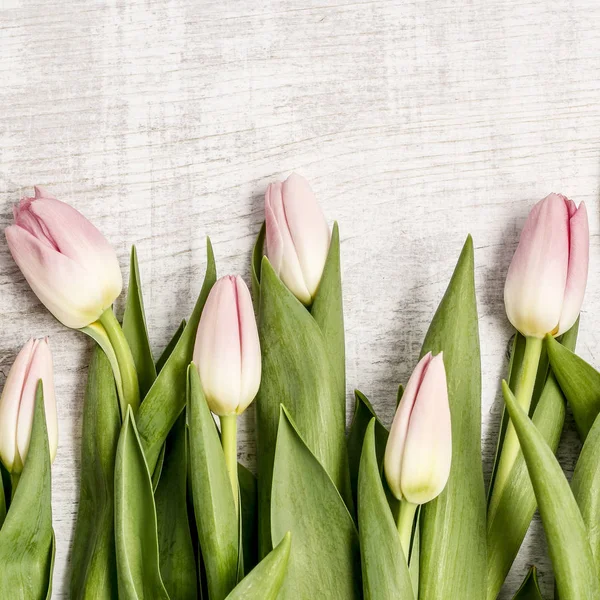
pixel 166 510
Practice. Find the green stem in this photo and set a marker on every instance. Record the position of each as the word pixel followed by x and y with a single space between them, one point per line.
pixel 524 392
pixel 404 522
pixel 14 482
pixel 229 443
pixel 128 373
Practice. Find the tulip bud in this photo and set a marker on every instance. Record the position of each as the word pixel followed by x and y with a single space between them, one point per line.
pixel 546 280
pixel 17 404
pixel 419 448
pixel 297 236
pixel 67 262
pixel 227 349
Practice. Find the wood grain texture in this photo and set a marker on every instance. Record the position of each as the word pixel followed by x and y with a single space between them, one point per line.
pixel 416 122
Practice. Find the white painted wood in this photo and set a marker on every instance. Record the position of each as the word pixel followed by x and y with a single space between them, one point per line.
pixel 416 122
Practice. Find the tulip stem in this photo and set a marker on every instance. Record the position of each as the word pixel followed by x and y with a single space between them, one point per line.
pixel 523 393
pixel 404 522
pixel 229 443
pixel 128 372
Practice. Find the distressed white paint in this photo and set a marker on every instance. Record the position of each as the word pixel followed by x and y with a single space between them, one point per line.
pixel 417 122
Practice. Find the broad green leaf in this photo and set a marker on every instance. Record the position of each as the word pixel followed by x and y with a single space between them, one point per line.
pixel 529 590
pixel 2 501
pixel 160 363
pixel 325 561
pixel 166 398
pixel 384 567
pixel 265 580
pixel 52 560
pixel 568 545
pixel 138 570
pixel 249 516
pixel 176 552
pixel 26 537
pixel 135 329
pixel 214 507
pixel 94 574
pixel 257 255
pixel 586 488
pixel 295 368
pixel 580 384
pixel 453 540
pixel 509 522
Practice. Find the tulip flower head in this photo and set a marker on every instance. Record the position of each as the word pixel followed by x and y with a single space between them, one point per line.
pixel 227 349
pixel 546 280
pixel 17 404
pixel 297 236
pixel 67 262
pixel 419 448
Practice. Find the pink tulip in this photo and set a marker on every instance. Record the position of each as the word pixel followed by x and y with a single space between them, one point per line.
pixel 227 350
pixel 67 262
pixel 297 240
pixel 546 280
pixel 419 448
pixel 17 404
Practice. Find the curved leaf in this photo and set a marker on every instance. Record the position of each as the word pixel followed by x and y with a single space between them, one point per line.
pixel 257 254
pixel 384 568
pixel 2 501
pixel 93 557
pixel 214 508
pixel 176 552
pixel 52 560
pixel 580 383
pixel 249 516
pixel 135 329
pixel 160 363
pixel 26 537
pixel 453 532
pixel 529 590
pixel 266 579
pixel 166 398
pixel 325 561
pixel 138 571
pixel 572 559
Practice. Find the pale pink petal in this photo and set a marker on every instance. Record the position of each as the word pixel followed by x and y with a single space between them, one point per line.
pixel 41 192
pixel 273 237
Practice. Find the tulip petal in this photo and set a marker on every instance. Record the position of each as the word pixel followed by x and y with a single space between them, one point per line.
pixel 395 448
pixel 579 250
pixel 428 447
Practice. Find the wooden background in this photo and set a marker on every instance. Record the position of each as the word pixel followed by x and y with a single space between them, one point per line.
pixel 416 122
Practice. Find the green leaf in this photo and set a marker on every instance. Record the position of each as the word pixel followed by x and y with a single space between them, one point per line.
pixel 572 559
pixel 2 501
pixel 138 570
pixel 214 507
pixel 52 560
pixel 295 367
pixel 265 581
pixel 580 384
pixel 249 516
pixel 257 255
pixel 26 546
pixel 325 561
pixel 166 398
pixel 529 590
pixel 586 488
pixel 160 363
pixel 93 557
pixel 508 523
pixel 453 540
pixel 176 552
pixel 135 329
pixel 384 567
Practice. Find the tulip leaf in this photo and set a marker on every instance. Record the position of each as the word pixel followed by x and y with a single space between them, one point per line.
pixel 249 516
pixel 266 579
pixel 568 545
pixel 2 501
pixel 452 542
pixel 509 521
pixel 586 488
pixel 580 384
pixel 325 561
pixel 295 367
pixel 214 507
pixel 52 560
pixel 93 555
pixel 26 537
pixel 166 398
pixel 257 255
pixel 530 589
pixel 384 567
pixel 160 363
pixel 135 329
pixel 138 570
